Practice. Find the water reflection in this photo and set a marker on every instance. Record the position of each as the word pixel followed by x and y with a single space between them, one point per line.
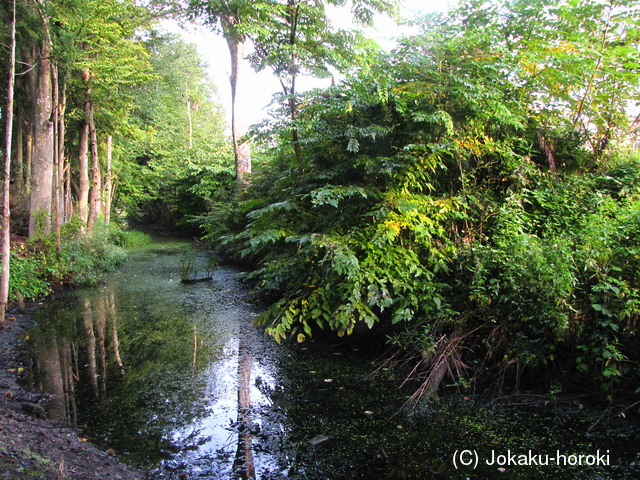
pixel 243 465
pixel 156 369
pixel 175 379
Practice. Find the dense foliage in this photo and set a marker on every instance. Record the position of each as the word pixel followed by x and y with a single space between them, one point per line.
pixel 176 159
pixel 473 195
pixel 40 267
pixel 111 117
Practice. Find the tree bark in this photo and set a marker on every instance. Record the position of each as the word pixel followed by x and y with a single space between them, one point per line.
pixel 42 169
pixel 62 159
pixel 106 190
pixel 32 88
pixel 83 160
pixel 547 148
pixel 19 157
pixel 96 187
pixel 5 244
pixel 83 176
pixel 293 102
pixel 241 147
pixel 56 155
pixel 28 161
pixel 67 190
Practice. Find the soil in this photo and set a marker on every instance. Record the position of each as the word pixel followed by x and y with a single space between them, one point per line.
pixel 31 446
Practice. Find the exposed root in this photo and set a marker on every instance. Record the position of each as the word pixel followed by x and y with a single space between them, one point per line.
pixel 431 366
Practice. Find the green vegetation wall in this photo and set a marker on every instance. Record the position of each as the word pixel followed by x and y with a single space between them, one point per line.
pixel 177 158
pixel 472 195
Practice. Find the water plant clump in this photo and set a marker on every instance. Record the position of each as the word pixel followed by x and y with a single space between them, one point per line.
pixel 195 266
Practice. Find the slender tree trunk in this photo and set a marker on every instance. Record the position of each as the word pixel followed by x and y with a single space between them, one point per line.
pixel 547 149
pixel 42 168
pixel 293 102
pixel 5 243
pixel 83 157
pixel 62 131
pixel 19 157
pixel 83 174
pixel 28 147
pixel 67 190
pixel 241 148
pixel 188 101
pixel 32 88
pixel 293 108
pixel 56 154
pixel 106 190
pixel 94 192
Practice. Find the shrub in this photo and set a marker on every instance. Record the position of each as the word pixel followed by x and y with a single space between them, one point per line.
pixel 37 266
pixel 26 278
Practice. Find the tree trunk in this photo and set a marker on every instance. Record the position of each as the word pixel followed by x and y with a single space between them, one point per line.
pixel 547 148
pixel 293 109
pixel 94 192
pixel 293 102
pixel 83 158
pixel 19 157
pixel 62 160
pixel 56 155
pixel 32 88
pixel 42 168
pixel 241 148
pixel 106 191
pixel 67 190
pixel 83 174
pixel 5 244
pixel 28 161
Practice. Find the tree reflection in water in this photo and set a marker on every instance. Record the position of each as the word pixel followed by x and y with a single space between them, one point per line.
pixel 243 464
pixel 161 372
pixel 58 352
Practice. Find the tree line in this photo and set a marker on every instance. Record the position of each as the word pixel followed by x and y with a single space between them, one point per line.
pixel 103 114
pixel 110 115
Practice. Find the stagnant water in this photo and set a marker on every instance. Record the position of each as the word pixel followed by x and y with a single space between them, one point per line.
pixel 175 379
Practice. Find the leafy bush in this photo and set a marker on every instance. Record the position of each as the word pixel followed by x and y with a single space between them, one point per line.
pixel 36 267
pixel 26 278
pixel 444 195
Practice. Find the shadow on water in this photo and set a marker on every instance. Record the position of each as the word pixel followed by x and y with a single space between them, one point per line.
pixel 175 379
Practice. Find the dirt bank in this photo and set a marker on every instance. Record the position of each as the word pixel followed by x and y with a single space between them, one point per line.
pixel 31 446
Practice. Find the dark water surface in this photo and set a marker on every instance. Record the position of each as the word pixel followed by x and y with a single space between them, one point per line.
pixel 175 379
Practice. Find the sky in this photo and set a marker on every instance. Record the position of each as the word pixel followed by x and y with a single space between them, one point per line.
pixel 213 50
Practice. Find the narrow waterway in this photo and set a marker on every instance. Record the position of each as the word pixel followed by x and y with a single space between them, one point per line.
pixel 175 379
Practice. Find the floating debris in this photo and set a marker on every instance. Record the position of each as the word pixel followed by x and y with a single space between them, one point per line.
pixel 318 439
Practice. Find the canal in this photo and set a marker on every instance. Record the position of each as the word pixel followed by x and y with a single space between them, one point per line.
pixel 175 379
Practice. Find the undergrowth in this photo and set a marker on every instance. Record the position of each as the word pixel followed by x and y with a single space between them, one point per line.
pixel 39 266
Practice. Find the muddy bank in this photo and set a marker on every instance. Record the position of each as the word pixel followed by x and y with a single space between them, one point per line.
pixel 31 446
